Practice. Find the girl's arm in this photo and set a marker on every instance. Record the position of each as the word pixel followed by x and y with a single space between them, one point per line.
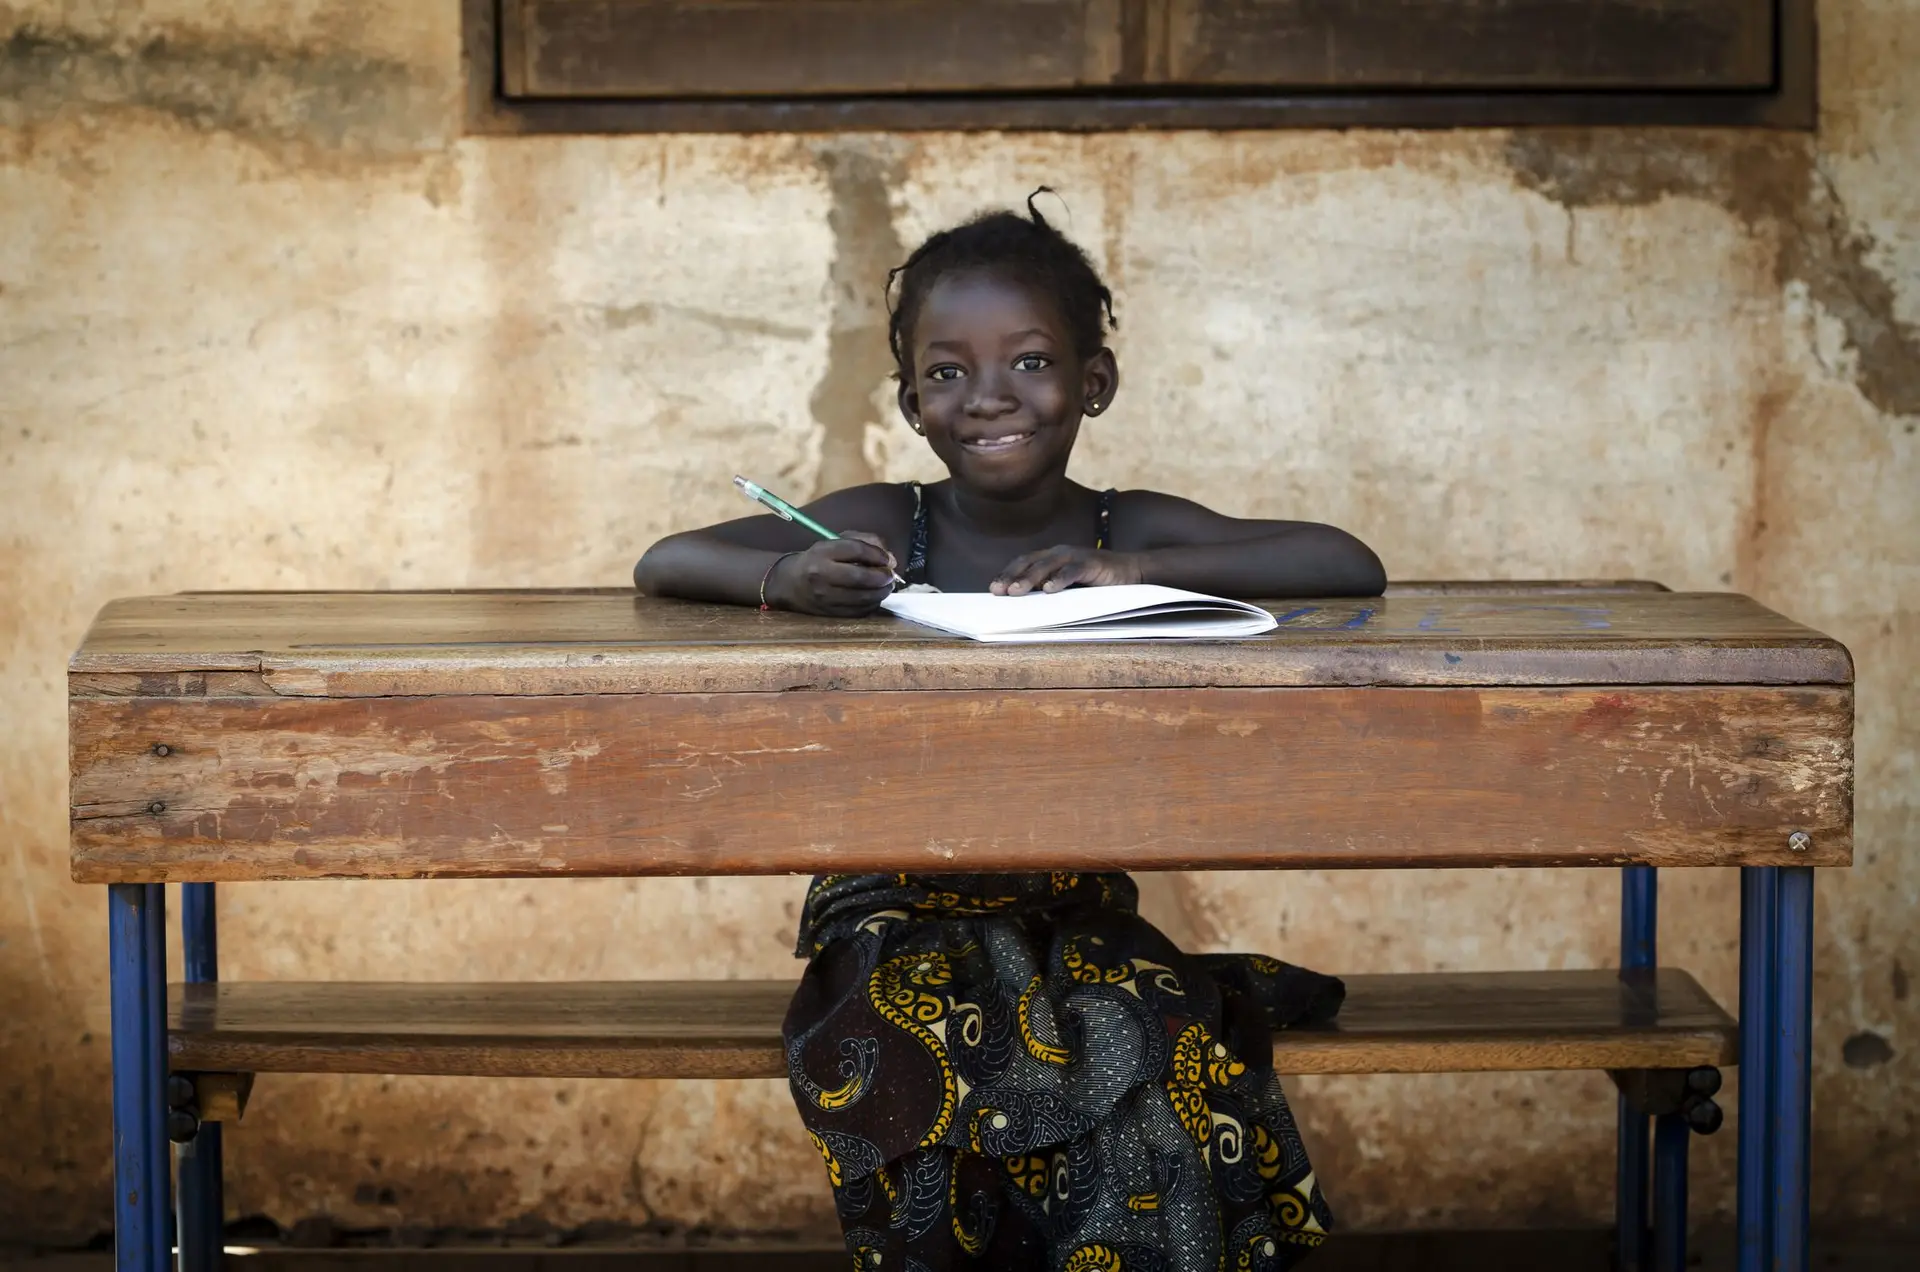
pixel 728 561
pixel 1178 543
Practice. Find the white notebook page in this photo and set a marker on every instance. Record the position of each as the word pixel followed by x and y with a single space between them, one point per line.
pixel 1134 612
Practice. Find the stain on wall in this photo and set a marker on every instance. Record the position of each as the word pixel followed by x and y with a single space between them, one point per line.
pixel 295 101
pixel 860 180
pixel 1776 185
pixel 267 319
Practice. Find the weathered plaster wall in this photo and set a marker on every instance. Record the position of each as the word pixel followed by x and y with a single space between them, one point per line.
pixel 268 320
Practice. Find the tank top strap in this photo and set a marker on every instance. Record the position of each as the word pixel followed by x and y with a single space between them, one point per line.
pixel 917 545
pixel 1105 536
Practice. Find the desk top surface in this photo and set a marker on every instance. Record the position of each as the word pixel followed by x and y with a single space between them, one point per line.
pixel 405 735
pixel 608 641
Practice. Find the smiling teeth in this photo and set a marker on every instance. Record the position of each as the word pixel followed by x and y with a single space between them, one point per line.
pixel 1006 439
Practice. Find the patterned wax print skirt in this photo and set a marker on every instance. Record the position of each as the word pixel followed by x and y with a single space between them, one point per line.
pixel 1017 1071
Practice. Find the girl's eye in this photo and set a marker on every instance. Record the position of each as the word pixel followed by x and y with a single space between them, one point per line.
pixel 1032 362
pixel 943 373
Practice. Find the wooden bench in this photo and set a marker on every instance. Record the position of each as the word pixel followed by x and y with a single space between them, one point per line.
pixel 1514 726
pixel 1440 1022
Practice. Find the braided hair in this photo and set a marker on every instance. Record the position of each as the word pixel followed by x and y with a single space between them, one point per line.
pixel 1025 249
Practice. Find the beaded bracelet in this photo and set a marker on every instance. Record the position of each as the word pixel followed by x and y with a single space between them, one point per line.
pixel 764 607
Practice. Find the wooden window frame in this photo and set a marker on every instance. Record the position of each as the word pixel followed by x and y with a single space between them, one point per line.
pixel 1790 103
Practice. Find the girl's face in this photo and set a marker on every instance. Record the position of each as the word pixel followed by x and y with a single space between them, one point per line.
pixel 997 386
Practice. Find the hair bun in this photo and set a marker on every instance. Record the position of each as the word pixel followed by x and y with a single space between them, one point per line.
pixel 1034 212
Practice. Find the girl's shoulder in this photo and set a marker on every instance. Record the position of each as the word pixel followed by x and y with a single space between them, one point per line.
pixel 879 507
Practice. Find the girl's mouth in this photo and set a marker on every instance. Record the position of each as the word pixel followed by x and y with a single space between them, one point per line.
pixel 998 442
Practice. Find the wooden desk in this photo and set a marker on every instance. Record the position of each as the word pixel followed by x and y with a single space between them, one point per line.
pixel 232 737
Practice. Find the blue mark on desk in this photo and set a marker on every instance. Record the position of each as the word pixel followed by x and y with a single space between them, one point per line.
pixel 1587 617
pixel 1290 615
pixel 1591 617
pixel 1451 658
pixel 1360 619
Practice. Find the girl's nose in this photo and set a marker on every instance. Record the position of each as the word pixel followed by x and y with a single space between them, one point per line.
pixel 990 399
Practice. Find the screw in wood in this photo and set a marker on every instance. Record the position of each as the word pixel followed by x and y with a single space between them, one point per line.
pixel 162 749
pixel 1799 841
pixel 156 807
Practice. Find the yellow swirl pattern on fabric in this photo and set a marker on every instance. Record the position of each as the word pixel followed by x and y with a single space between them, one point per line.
pixel 898 991
pixel 1093 1258
pixel 1257 1247
pixel 1197 1063
pixel 980 1115
pixel 838 1098
pixel 1031 1175
pixel 1082 968
pixel 1188 1065
pixel 833 1166
pixel 1044 1052
pixel 1190 1106
pixel 1266 1153
pixel 1222 1068
pixel 844 1094
pixel 962 903
pixel 1143 1201
pixel 971 1243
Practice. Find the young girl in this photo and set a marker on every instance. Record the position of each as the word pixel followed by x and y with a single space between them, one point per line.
pixel 1017 1071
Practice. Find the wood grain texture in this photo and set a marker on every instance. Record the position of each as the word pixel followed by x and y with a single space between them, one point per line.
pixel 1421 1023
pixel 1471 44
pixel 806 782
pixel 1791 102
pixel 221 1097
pixel 797 48
pixel 1794 107
pixel 757 48
pixel 385 644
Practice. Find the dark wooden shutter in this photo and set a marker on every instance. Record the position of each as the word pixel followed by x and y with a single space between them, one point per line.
pixel 1462 44
pixel 788 48
pixel 1021 63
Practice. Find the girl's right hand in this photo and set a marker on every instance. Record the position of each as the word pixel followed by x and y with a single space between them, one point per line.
pixel 846 577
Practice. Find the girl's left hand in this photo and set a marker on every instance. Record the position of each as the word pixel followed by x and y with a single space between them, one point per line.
pixel 1062 567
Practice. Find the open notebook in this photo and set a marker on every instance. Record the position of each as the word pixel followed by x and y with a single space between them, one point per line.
pixel 1134 612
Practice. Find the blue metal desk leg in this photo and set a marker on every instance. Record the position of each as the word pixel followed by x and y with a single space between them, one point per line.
pixel 1759 932
pixel 135 932
pixel 1670 1136
pixel 1792 1068
pixel 160 1147
pixel 1639 928
pixel 202 1218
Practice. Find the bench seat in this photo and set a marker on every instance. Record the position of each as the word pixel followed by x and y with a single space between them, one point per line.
pixel 1435 1022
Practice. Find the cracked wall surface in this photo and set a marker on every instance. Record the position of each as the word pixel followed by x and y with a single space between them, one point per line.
pixel 268 319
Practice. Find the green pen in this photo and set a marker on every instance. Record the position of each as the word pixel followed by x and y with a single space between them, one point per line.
pixel 787 512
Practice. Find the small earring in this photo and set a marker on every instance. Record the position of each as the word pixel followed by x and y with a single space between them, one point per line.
pixel 917 427
pixel 1093 408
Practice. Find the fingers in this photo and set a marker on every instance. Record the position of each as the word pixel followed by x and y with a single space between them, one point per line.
pixel 1049 570
pixel 869 549
pixel 1069 573
pixel 846 577
pixel 823 573
pixel 849 577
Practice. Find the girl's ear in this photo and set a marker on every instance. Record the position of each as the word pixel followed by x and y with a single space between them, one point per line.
pixel 1100 382
pixel 909 400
